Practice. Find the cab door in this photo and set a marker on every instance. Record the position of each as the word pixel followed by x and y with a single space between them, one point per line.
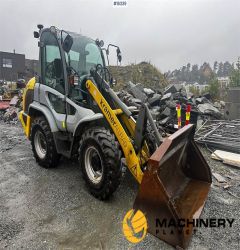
pixel 52 87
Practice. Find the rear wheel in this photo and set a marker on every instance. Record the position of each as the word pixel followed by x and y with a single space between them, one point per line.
pixel 43 145
pixel 100 160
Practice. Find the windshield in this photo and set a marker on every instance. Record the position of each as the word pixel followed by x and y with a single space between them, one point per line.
pixel 84 54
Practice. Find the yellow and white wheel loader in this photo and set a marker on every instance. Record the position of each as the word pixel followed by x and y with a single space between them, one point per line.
pixel 71 110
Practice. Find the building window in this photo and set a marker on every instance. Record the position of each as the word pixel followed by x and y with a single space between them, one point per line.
pixel 7 63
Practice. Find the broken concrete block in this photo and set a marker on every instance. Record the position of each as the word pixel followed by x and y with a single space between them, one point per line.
pixel 140 87
pixel 148 92
pixel 155 100
pixel 164 121
pixel 171 104
pixel 198 100
pixel 166 112
pixel 209 109
pixel 154 114
pixel 174 88
pixel 136 92
pixel 166 97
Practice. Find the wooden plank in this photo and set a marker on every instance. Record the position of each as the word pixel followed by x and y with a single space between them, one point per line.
pixel 227 157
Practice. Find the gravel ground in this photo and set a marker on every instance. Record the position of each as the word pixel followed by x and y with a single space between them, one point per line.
pixel 51 209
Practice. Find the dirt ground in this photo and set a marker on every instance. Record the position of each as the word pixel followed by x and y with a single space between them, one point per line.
pixel 51 209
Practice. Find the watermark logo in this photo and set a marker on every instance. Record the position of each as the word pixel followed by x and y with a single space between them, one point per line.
pixel 134 226
pixel 117 3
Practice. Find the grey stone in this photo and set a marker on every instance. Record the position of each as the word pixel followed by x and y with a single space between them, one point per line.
pixel 209 109
pixel 166 97
pixel 155 100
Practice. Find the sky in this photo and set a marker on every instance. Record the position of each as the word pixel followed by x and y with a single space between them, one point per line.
pixel 168 33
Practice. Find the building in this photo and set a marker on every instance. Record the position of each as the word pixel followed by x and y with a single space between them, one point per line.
pixel 31 68
pixel 200 88
pixel 223 81
pixel 12 66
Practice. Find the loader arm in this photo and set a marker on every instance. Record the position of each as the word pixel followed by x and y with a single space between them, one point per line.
pixel 132 160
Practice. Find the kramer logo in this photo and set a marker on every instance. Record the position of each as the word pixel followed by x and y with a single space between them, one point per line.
pixel 112 121
pixel 135 226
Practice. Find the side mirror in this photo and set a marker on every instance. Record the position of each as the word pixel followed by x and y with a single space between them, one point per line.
pixel 119 55
pixel 99 43
pixel 67 43
pixel 36 34
pixel 40 26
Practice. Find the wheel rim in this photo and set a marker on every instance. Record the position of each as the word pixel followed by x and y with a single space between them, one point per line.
pixel 93 165
pixel 40 144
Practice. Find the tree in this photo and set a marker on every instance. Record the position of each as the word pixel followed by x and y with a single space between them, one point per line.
pixel 194 73
pixel 220 69
pixel 206 73
pixel 227 69
pixel 188 73
pixel 215 67
pixel 214 89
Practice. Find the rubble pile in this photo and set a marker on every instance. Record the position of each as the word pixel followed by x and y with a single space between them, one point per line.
pixel 163 103
pixel 10 103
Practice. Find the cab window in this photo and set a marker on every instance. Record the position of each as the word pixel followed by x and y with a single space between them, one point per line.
pixel 51 63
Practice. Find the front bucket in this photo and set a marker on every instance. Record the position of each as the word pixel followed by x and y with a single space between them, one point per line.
pixel 174 188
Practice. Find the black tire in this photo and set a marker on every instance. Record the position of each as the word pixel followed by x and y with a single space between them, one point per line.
pixel 40 128
pixel 106 157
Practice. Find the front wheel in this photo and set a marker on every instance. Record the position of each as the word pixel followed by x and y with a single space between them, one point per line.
pixel 100 160
pixel 43 145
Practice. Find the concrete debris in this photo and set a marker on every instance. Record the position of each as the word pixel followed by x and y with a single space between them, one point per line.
pixel 137 91
pixel 11 114
pixel 219 177
pixel 10 100
pixel 166 97
pixel 209 109
pixel 166 101
pixel 173 89
pixel 148 92
pixel 155 100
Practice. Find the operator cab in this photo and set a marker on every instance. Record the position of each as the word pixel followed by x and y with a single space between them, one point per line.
pixel 68 59
pixel 67 68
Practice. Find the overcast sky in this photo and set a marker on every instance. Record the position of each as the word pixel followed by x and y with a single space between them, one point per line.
pixel 169 33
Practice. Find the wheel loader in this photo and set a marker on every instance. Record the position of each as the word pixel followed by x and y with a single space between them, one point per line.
pixel 71 110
